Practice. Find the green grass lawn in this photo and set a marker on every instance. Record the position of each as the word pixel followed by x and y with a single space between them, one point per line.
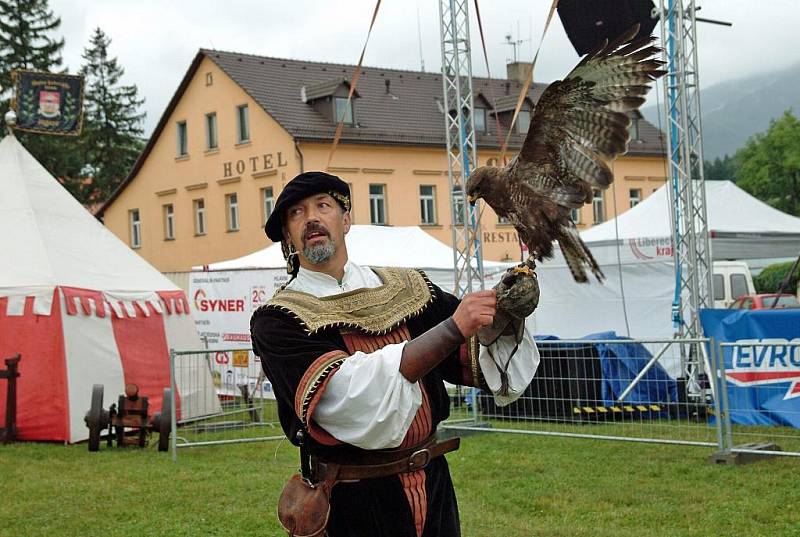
pixel 507 486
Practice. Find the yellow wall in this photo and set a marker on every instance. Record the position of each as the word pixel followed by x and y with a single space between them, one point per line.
pixel 162 172
pixel 271 159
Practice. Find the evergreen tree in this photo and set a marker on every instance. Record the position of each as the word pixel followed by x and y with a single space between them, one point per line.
pixel 721 169
pixel 112 128
pixel 26 42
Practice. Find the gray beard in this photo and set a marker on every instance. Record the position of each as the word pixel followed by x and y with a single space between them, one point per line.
pixel 319 253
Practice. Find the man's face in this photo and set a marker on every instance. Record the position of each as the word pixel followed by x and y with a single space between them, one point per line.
pixel 316 227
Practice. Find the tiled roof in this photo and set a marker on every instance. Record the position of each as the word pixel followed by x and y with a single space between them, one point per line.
pixel 404 112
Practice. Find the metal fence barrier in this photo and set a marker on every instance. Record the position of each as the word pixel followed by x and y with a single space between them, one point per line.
pixel 765 419
pixel 609 389
pixel 673 391
pixel 235 410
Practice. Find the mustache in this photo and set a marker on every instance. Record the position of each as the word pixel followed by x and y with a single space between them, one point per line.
pixel 315 228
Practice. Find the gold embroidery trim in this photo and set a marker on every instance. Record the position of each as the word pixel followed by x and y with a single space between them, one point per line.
pixel 473 351
pixel 405 293
pixel 314 383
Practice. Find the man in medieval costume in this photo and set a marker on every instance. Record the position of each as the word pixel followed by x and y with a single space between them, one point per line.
pixel 357 358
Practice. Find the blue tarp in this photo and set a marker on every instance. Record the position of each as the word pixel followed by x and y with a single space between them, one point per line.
pixel 620 363
pixel 762 373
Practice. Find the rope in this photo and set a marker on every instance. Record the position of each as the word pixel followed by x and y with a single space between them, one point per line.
pixel 489 75
pixel 524 92
pixel 619 255
pixel 356 76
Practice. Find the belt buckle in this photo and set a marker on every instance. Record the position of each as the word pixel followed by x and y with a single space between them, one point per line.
pixel 419 459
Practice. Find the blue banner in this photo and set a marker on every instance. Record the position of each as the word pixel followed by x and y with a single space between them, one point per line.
pixel 762 372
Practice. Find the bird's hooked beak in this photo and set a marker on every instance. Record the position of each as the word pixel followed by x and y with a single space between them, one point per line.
pixel 472 199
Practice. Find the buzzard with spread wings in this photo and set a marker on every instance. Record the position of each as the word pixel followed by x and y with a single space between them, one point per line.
pixel 579 125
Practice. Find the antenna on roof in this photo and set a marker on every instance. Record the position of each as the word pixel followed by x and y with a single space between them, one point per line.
pixel 419 37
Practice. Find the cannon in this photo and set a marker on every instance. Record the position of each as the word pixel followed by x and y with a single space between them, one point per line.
pixel 131 412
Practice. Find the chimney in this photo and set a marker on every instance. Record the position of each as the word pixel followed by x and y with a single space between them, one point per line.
pixel 518 71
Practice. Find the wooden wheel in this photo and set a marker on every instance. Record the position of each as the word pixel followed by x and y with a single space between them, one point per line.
pixel 95 418
pixel 164 420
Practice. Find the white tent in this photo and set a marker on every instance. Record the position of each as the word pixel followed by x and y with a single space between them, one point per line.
pixel 380 246
pixel 741 226
pixel 81 308
pixel 635 252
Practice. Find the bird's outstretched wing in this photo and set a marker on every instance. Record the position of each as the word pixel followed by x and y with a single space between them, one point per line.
pixel 580 123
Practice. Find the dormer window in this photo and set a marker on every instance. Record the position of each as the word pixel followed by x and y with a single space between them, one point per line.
pixel 480 119
pixel 343 110
pixel 523 121
pixel 633 128
pixel 329 98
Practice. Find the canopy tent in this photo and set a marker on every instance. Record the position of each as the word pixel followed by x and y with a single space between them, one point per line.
pixel 740 226
pixel 81 308
pixel 635 253
pixel 380 246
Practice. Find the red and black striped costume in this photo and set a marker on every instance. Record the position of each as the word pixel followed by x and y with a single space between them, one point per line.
pixel 300 354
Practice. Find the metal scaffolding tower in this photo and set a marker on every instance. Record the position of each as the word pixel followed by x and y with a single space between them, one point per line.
pixel 460 136
pixel 685 154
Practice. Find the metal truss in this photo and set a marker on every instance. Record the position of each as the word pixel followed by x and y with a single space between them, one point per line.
pixel 692 251
pixel 460 134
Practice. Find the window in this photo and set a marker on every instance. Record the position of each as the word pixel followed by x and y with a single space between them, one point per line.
pixel 636 196
pixel 427 204
pixel 719 287
pixel 503 220
pixel 211 131
pixel 183 142
pixel 136 228
pixel 267 202
pixel 633 129
pixel 209 79
pixel 377 204
pixel 199 217
pixel 242 124
pixel 343 110
pixel 458 205
pixel 575 214
pixel 480 119
pixel 598 210
pixel 523 121
pixel 738 285
pixel 232 204
pixel 169 222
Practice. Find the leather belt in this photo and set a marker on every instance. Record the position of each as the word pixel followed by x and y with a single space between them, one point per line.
pixel 394 462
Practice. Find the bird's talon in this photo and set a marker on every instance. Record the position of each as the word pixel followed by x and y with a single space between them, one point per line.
pixel 522 269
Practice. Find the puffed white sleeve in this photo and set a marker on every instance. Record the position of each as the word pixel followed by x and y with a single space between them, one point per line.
pixel 367 402
pixel 520 365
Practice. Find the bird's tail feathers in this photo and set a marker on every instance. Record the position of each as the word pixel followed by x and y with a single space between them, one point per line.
pixel 577 255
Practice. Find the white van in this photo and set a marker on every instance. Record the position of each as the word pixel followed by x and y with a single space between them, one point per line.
pixel 731 279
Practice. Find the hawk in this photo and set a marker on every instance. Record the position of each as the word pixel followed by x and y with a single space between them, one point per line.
pixel 579 125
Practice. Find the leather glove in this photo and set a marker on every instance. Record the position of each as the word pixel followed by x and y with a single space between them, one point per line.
pixel 517 298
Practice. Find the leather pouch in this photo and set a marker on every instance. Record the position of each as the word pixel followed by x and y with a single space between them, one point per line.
pixel 303 508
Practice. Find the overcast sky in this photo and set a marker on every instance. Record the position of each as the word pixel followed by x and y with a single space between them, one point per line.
pixel 155 40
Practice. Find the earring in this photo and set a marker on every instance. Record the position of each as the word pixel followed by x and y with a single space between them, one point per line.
pixel 292 261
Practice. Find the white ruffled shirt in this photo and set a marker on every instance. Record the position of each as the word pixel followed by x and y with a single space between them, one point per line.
pixel 368 403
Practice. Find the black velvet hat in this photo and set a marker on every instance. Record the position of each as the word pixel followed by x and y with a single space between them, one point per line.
pixel 305 185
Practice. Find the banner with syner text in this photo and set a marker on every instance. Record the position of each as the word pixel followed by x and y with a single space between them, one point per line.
pixel 222 303
pixel 762 370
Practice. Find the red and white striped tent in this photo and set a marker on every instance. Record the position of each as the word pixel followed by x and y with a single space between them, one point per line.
pixel 81 308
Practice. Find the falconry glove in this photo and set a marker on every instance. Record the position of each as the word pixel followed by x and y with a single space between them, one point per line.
pixel 517 297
